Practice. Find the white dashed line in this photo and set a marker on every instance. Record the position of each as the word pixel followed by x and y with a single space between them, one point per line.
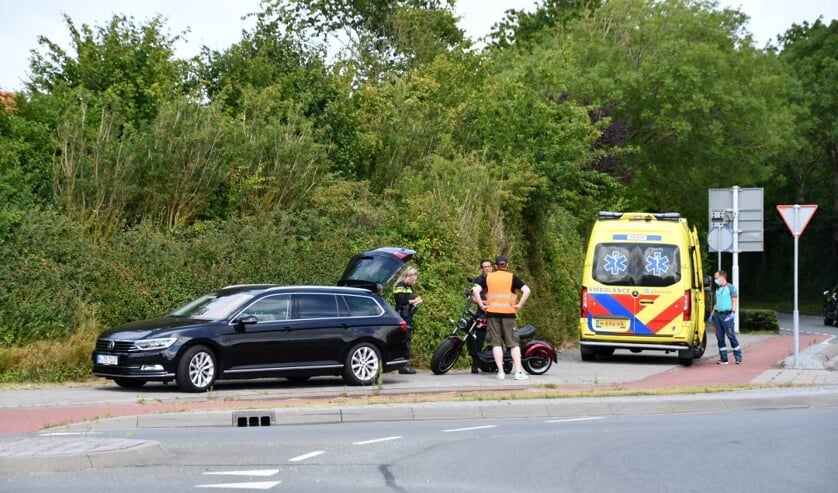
pixel 454 430
pixel 264 485
pixel 570 420
pixel 254 472
pixel 307 456
pixel 377 440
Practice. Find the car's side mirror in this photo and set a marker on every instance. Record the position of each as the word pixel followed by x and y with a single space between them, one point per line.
pixel 708 282
pixel 247 320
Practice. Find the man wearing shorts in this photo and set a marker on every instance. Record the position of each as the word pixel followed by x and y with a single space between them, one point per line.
pixel 501 306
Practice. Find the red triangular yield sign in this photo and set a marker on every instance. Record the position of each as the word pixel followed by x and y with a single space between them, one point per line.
pixel 797 222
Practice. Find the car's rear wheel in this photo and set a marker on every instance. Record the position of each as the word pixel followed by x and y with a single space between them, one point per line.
pixel 196 369
pixel 129 383
pixel 363 365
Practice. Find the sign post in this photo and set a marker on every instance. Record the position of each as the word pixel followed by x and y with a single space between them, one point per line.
pixel 796 218
pixel 740 209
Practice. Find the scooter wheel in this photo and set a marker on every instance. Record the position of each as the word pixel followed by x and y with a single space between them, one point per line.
pixel 537 363
pixel 445 357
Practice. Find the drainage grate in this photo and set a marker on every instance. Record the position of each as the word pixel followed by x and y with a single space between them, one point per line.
pixel 243 419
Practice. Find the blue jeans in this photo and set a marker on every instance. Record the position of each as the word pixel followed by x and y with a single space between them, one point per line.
pixel 724 325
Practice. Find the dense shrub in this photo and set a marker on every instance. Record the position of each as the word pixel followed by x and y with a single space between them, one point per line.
pixel 751 320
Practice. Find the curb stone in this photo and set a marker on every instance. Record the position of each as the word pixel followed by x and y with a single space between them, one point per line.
pixel 62 454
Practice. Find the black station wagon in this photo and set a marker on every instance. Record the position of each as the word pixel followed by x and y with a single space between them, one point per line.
pixel 263 330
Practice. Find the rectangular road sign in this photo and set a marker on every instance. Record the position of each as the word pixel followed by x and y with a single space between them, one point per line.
pixel 797 216
pixel 750 214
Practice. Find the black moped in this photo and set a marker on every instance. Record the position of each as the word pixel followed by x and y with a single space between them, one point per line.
pixel 536 356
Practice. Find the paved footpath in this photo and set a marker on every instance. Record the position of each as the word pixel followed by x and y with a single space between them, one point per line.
pixel 44 429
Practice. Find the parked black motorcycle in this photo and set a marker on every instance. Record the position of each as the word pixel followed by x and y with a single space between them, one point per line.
pixel 536 356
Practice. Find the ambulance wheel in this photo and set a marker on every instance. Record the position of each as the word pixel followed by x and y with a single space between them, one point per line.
pixel 588 353
pixel 685 357
pixel 698 352
pixel 604 352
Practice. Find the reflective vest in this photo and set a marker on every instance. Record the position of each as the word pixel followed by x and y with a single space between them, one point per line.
pixel 499 296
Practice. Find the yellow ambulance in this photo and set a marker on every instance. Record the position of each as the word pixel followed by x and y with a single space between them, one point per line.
pixel 642 287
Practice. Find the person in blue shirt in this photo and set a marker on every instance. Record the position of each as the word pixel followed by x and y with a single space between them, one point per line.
pixel 727 300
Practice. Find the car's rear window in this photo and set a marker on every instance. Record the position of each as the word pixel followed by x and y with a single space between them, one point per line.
pixel 637 264
pixel 362 306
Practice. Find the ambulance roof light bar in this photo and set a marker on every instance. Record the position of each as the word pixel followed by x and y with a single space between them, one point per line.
pixel 661 216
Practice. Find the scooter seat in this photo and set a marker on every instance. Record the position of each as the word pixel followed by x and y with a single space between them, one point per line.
pixel 526 332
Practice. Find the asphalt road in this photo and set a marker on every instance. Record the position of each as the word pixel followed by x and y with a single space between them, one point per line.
pixel 745 451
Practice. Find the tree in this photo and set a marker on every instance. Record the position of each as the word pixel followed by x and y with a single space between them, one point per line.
pixel 379 36
pixel 812 164
pixel 523 27
pixel 128 67
pixel 701 107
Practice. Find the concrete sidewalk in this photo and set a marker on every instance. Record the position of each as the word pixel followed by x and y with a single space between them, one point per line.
pixel 73 414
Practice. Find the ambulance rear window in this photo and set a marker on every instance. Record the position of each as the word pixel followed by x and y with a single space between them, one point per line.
pixel 637 264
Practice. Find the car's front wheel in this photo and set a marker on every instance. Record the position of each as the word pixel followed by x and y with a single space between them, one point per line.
pixel 363 364
pixel 196 369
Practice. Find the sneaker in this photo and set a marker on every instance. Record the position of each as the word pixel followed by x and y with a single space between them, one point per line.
pixel 521 376
pixel 720 362
pixel 501 375
pixel 407 371
pixel 739 362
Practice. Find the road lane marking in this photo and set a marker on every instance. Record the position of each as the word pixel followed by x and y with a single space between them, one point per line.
pixel 307 456
pixel 570 420
pixel 454 430
pixel 377 440
pixel 264 485
pixel 253 472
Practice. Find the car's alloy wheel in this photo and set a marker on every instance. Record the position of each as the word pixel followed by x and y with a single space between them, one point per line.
pixel 363 364
pixel 196 369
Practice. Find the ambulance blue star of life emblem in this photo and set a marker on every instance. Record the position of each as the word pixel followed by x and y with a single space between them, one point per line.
pixel 656 264
pixel 615 263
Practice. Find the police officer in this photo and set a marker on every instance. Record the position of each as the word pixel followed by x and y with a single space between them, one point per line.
pixel 407 303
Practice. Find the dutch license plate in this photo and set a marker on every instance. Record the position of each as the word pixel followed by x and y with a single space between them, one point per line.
pixel 612 324
pixel 106 359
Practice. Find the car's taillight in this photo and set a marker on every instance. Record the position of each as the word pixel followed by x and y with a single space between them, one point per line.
pixel 584 302
pixel 688 306
pixel 403 326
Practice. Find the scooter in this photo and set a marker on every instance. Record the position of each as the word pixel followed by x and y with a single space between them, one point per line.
pixel 536 356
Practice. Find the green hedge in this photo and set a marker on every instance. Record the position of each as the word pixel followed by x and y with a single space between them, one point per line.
pixel 758 320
